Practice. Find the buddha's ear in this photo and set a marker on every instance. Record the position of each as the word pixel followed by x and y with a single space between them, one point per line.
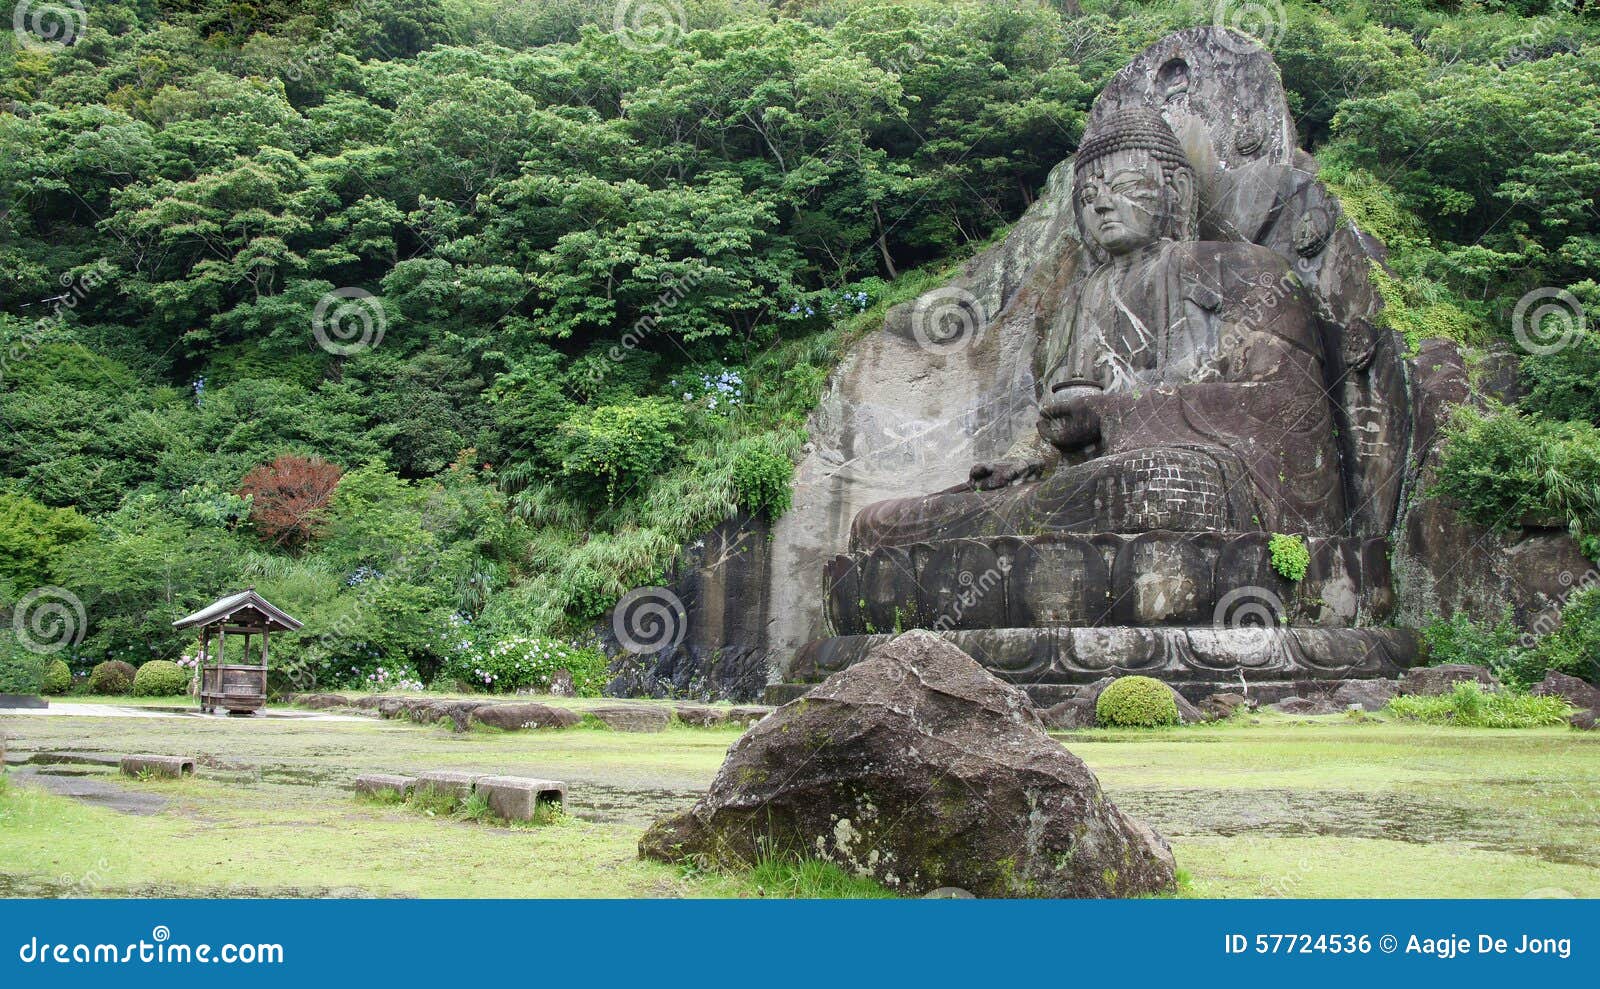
pixel 1185 201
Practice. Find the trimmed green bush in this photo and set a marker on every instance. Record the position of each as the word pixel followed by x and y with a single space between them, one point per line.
pixel 57 677
pixel 21 672
pixel 160 678
pixel 111 677
pixel 1470 706
pixel 1136 702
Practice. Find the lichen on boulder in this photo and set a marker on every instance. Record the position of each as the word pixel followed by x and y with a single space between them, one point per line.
pixel 919 768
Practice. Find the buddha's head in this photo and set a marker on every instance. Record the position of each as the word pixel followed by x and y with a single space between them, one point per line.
pixel 1132 184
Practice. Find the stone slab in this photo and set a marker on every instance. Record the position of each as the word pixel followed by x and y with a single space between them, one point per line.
pixel 633 717
pixel 457 784
pixel 169 766
pixel 517 798
pixel 377 784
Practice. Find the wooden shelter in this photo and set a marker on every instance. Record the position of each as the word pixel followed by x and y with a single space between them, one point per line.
pixel 238 688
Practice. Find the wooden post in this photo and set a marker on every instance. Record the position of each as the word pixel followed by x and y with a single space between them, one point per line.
pixel 200 671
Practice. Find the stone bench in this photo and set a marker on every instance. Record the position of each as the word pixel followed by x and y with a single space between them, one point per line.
pixel 384 784
pixel 168 766
pixel 517 798
pixel 456 784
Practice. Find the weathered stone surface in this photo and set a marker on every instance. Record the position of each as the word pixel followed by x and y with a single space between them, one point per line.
pixel 633 717
pixel 1431 680
pixel 1306 705
pixel 517 798
pixel 700 716
pixel 382 784
pixel 457 784
pixel 319 702
pixel 1372 695
pixel 1580 694
pixel 748 714
pixel 1224 704
pixel 1069 714
pixel 1582 720
pixel 515 717
pixel 170 766
pixel 923 770
pixel 366 702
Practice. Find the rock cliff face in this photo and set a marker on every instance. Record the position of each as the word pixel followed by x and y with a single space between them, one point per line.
pixel 910 410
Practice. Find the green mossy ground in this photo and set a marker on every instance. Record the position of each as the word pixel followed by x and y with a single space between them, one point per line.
pixel 1270 806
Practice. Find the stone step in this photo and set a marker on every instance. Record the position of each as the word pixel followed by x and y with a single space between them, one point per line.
pixel 378 784
pixel 518 798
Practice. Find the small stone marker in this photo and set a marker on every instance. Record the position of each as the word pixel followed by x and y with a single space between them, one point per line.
pixel 701 716
pixel 457 784
pixel 517 798
pixel 170 766
pixel 379 784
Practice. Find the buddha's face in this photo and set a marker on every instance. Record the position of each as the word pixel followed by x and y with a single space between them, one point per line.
pixel 1121 201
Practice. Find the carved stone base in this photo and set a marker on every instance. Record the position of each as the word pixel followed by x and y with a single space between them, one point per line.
pixel 1046 656
pixel 1106 579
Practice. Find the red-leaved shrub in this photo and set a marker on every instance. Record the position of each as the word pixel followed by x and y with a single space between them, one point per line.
pixel 288 497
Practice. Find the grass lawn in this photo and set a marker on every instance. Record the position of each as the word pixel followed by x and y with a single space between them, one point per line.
pixel 1272 806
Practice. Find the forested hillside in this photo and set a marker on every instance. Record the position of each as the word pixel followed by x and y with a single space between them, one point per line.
pixel 444 323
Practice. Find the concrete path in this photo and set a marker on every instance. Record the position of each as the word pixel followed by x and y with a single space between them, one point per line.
pixel 77 710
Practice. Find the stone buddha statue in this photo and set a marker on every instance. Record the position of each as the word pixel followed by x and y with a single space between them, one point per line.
pixel 1185 392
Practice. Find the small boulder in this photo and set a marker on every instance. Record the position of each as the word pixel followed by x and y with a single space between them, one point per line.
pixel 516 717
pixel 748 714
pixel 1224 704
pixel 633 717
pixel 1372 695
pixel 561 685
pixel 1582 720
pixel 1429 681
pixel 1306 705
pixel 1580 694
pixel 920 768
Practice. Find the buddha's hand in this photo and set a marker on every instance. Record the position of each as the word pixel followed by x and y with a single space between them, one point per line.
pixel 1070 424
pixel 1003 473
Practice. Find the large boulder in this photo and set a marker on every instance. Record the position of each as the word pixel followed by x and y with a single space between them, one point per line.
pixel 1372 695
pixel 1580 694
pixel 1429 681
pixel 919 768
